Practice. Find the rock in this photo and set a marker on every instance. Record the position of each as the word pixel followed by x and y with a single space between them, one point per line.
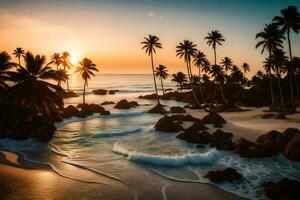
pixel 42 129
pixel 166 124
pixel 69 111
pixel 197 126
pixel 195 137
pixel 124 104
pixel 213 118
pixel 285 137
pixel 105 112
pixel 149 96
pixel 279 116
pixel 177 109
pixel 228 107
pixel 194 107
pixel 100 92
pixel 268 143
pixel 112 91
pixel 242 147
pixel 184 118
pixel 200 146
pixel 222 140
pixel 107 103
pixel 292 149
pixel 158 109
pixel 187 106
pixel 285 189
pixel 67 94
pixel 228 174
pixel 267 116
pixel 218 126
pixel 134 103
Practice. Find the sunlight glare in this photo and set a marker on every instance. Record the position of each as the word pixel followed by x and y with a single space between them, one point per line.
pixel 74 59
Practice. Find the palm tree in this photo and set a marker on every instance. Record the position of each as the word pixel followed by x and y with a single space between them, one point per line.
pixel 179 78
pixel 66 62
pixel 32 89
pixel 86 69
pixel 18 52
pixel 150 44
pixel 219 77
pixel 270 39
pixel 279 61
pixel 213 38
pixel 62 76
pixel 226 63
pixel 200 61
pixel 246 68
pixel 5 65
pixel 162 73
pixel 188 50
pixel 289 20
pixel 57 60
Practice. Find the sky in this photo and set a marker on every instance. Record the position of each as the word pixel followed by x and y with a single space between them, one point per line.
pixel 110 32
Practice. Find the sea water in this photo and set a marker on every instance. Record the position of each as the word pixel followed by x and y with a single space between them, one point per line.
pixel 125 147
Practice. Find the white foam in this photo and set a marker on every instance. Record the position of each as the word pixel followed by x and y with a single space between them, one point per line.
pixel 117 133
pixel 166 160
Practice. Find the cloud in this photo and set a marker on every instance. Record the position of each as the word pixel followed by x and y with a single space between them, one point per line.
pixel 151 14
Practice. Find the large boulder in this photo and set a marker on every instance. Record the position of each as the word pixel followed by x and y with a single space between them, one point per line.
pixel 222 140
pixel 124 104
pixel 107 103
pixel 213 118
pixel 67 94
pixel 177 109
pixel 184 118
pixel 228 174
pixel 268 144
pixel 69 112
pixel 292 149
pixel 197 126
pixel 243 148
pixel 100 92
pixel 195 137
pixel 166 124
pixel 285 189
pixel 158 109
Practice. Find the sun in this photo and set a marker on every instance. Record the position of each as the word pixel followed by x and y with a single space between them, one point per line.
pixel 74 59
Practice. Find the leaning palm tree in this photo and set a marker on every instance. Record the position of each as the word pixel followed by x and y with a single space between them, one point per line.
pixel 270 39
pixel 5 65
pixel 33 89
pixel 18 52
pixel 150 44
pixel 187 50
pixel 213 38
pixel 226 63
pixel 179 78
pixel 57 60
pixel 86 69
pixel 200 61
pixel 289 21
pixel 62 76
pixel 246 68
pixel 279 61
pixel 162 73
pixel 66 62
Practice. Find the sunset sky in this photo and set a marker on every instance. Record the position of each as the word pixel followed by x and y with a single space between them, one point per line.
pixel 110 32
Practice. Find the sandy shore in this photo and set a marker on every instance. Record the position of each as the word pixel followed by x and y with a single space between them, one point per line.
pixel 21 179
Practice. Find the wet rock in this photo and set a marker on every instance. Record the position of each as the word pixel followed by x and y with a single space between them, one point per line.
pixel 67 94
pixel 105 112
pixel 69 112
pixel 124 104
pixel 100 92
pixel 222 140
pixel 213 118
pixel 268 143
pixel 285 189
pixel 112 91
pixel 158 109
pixel 184 118
pixel 292 149
pixel 242 147
pixel 195 137
pixel 107 103
pixel 197 126
pixel 177 109
pixel 228 174
pixel 166 124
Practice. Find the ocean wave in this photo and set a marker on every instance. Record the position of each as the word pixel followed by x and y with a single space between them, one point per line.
pixel 123 114
pixel 165 160
pixel 117 133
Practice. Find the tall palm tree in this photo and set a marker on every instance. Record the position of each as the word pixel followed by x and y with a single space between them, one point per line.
pixel 219 77
pixel 33 89
pixel 200 61
pixel 18 52
pixel 66 62
pixel 289 20
pixel 214 38
pixel 162 73
pixel 150 44
pixel 246 68
pixel 226 63
pixel 86 69
pixel 270 39
pixel 57 60
pixel 62 76
pixel 5 65
pixel 187 50
pixel 279 61
pixel 179 78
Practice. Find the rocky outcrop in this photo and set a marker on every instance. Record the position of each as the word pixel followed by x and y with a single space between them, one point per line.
pixel 292 149
pixel 177 109
pixel 214 118
pixel 195 137
pixel 285 189
pixel 243 148
pixel 67 94
pixel 222 140
pixel 197 126
pixel 100 91
pixel 166 124
pixel 184 118
pixel 112 91
pixel 124 104
pixel 69 112
pixel 228 174
pixel 158 109
pixel 107 103
pixel 85 110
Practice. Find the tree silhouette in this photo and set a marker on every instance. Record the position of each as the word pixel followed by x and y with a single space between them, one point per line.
pixel 214 38
pixel 5 65
pixel 246 68
pixel 219 77
pixel 18 52
pixel 226 63
pixel 150 44
pixel 200 61
pixel 66 62
pixel 179 78
pixel 86 69
pixel 162 73
pixel 57 60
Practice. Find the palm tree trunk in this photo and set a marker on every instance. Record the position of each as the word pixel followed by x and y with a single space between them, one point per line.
pixel 162 85
pixel 215 92
pixel 68 85
pixel 190 79
pixel 200 87
pixel 151 54
pixel 271 88
pixel 215 52
pixel 280 90
pixel 222 93
pixel 291 70
pixel 83 96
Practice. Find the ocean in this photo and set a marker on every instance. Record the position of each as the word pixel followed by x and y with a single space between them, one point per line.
pixel 125 147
